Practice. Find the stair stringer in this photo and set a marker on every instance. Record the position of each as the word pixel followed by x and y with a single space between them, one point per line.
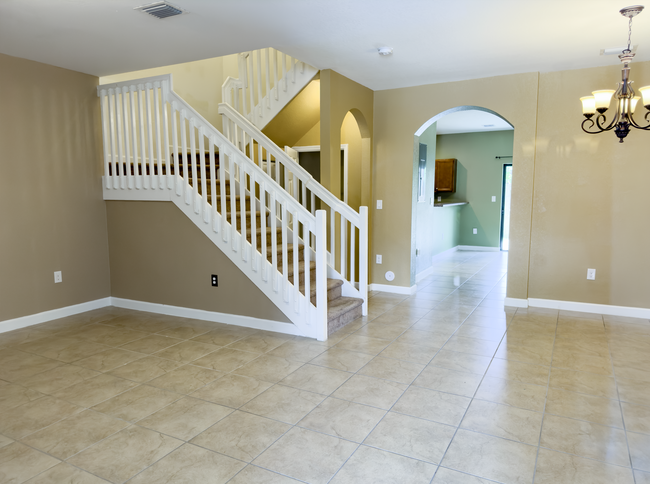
pixel 227 243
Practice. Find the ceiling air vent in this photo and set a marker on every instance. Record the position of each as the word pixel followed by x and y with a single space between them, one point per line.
pixel 161 10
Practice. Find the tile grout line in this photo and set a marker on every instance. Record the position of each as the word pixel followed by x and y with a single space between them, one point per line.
pixel 548 384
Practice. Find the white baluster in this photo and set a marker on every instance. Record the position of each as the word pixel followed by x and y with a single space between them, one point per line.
pixel 233 207
pixel 127 135
pixel 344 246
pixel 268 78
pixel 149 180
pixel 112 108
pixel 222 193
pixel 332 237
pixel 285 257
pixel 306 235
pixel 263 231
pixel 363 258
pixel 251 87
pixel 253 223
pixel 122 162
pixel 143 159
pixel 204 183
pixel 296 265
pixel 284 72
pixel 160 180
pixel 105 137
pixel 177 172
pixel 274 242
pixel 165 106
pixel 243 209
pixel 259 82
pixel 191 156
pixel 320 331
pixel 213 185
pixel 134 131
pixel 186 166
pixel 353 254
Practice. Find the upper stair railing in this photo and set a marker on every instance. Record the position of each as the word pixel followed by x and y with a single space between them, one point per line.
pixel 345 225
pixel 268 80
pixel 157 147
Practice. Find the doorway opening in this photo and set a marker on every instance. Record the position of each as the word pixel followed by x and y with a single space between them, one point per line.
pixel 506 192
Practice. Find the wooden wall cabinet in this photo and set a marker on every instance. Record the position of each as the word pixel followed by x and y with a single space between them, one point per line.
pixel 445 175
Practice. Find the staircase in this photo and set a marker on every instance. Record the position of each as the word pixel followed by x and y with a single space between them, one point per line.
pixel 253 201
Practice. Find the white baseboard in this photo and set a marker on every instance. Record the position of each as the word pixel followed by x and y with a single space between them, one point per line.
pixel 234 319
pixel 409 291
pixel 45 316
pixel 516 303
pixel 478 248
pixel 607 309
pixel 424 274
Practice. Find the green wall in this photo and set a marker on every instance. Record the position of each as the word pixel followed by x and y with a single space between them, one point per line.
pixel 478 179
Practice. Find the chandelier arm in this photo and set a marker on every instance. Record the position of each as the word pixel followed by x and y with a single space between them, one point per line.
pixel 637 125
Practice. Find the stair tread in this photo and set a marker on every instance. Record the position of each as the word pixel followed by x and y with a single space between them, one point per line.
pixel 342 305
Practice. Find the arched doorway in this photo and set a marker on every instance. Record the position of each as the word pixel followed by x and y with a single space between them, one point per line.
pixel 469 209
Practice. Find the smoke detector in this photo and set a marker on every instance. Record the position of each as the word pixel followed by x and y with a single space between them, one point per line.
pixel 161 10
pixel 385 51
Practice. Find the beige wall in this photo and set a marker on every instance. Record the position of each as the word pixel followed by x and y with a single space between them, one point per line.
pixel 592 202
pixel 158 255
pixel 399 113
pixel 199 83
pixel 301 114
pixel 52 213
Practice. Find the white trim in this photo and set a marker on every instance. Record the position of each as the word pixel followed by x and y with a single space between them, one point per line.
pixel 424 274
pixel 409 291
pixel 515 303
pixel 444 253
pixel 478 248
pixel 607 309
pixel 344 147
pixel 45 316
pixel 234 319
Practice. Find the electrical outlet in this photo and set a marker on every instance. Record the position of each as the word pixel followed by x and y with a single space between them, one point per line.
pixel 215 280
pixel 378 258
pixel 440 199
pixel 379 205
pixel 591 274
pixel 475 231
pixel 58 277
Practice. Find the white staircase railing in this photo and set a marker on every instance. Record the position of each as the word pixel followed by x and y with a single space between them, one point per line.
pixel 268 80
pixel 345 226
pixel 157 147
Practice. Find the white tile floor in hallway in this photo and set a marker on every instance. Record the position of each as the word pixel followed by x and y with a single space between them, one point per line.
pixel 427 389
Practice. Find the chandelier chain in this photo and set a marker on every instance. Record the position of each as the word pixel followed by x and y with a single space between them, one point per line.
pixel 629 37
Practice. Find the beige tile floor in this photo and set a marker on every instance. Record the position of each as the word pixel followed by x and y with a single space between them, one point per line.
pixel 442 387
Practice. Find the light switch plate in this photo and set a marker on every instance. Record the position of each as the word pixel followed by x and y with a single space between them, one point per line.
pixel 494 198
pixel 475 231
pixel 379 204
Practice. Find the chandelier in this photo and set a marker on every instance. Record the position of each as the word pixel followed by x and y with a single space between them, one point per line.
pixel 626 98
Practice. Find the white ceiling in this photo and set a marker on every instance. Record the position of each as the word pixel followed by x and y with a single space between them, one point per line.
pixel 470 121
pixel 433 40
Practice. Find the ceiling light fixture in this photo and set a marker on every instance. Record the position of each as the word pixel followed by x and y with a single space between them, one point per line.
pixel 626 99
pixel 385 51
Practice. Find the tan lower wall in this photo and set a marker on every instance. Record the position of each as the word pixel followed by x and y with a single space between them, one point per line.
pixel 52 215
pixel 159 256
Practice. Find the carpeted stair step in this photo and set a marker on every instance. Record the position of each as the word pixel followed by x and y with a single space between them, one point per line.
pixel 342 311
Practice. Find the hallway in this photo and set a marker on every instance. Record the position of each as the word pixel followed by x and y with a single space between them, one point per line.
pixel 443 387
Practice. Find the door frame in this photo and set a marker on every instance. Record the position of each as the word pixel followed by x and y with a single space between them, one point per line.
pixel 503 203
pixel 344 148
